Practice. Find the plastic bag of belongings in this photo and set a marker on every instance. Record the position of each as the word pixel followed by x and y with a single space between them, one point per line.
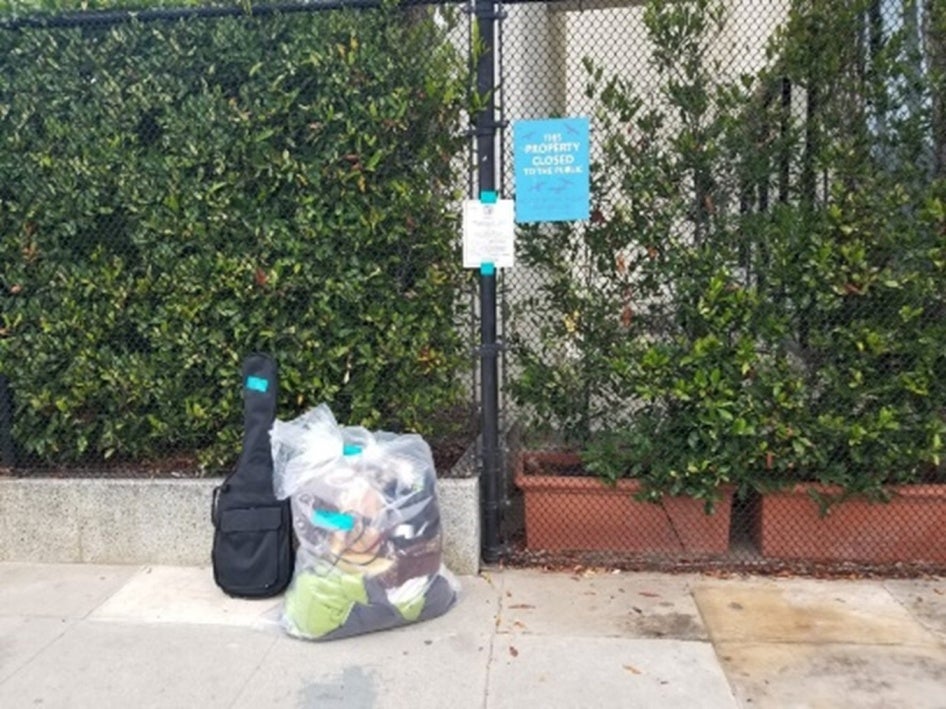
pixel 365 512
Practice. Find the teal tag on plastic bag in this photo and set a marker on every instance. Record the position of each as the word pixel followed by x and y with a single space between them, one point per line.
pixel 333 521
pixel 257 384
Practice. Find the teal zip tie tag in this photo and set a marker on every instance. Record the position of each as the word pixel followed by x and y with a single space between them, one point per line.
pixel 349 449
pixel 487 269
pixel 489 197
pixel 257 384
pixel 332 521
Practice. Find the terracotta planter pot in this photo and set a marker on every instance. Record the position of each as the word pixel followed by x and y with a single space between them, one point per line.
pixel 576 512
pixel 910 528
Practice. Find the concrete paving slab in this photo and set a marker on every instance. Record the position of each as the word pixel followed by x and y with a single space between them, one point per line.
pixel 832 675
pixel 580 672
pixel 173 594
pixel 602 604
pixel 168 637
pixel 925 599
pixel 438 663
pixel 21 639
pixel 428 665
pixel 58 590
pixel 477 603
pixel 185 594
pixel 806 611
pixel 120 665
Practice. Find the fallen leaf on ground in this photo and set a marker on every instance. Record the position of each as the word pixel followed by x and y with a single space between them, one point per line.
pixel 649 594
pixel 513 651
pixel 630 668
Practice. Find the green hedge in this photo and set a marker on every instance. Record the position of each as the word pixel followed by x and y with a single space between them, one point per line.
pixel 758 298
pixel 175 196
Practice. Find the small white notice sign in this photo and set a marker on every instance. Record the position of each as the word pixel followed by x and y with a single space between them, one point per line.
pixel 489 233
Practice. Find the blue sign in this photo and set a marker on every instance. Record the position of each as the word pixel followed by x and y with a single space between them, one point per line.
pixel 551 166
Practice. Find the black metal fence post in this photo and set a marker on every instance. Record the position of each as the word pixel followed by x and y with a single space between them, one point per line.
pixel 490 428
pixel 7 453
pixel 486 16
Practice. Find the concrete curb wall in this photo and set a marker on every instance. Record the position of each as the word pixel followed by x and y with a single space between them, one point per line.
pixel 126 521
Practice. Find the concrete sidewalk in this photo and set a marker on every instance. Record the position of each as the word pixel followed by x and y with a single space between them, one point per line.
pixel 114 636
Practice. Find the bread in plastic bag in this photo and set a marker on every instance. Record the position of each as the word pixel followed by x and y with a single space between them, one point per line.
pixel 365 512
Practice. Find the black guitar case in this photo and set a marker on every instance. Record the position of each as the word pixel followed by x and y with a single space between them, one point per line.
pixel 252 547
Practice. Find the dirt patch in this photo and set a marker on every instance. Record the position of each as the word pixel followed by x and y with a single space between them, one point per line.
pixel 677 626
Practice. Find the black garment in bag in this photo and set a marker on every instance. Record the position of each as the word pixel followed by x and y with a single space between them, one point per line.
pixel 252 546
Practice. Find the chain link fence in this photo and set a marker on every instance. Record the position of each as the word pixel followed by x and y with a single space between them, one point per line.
pixel 754 307
pixel 738 360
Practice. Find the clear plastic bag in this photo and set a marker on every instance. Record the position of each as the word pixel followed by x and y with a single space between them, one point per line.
pixel 365 513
